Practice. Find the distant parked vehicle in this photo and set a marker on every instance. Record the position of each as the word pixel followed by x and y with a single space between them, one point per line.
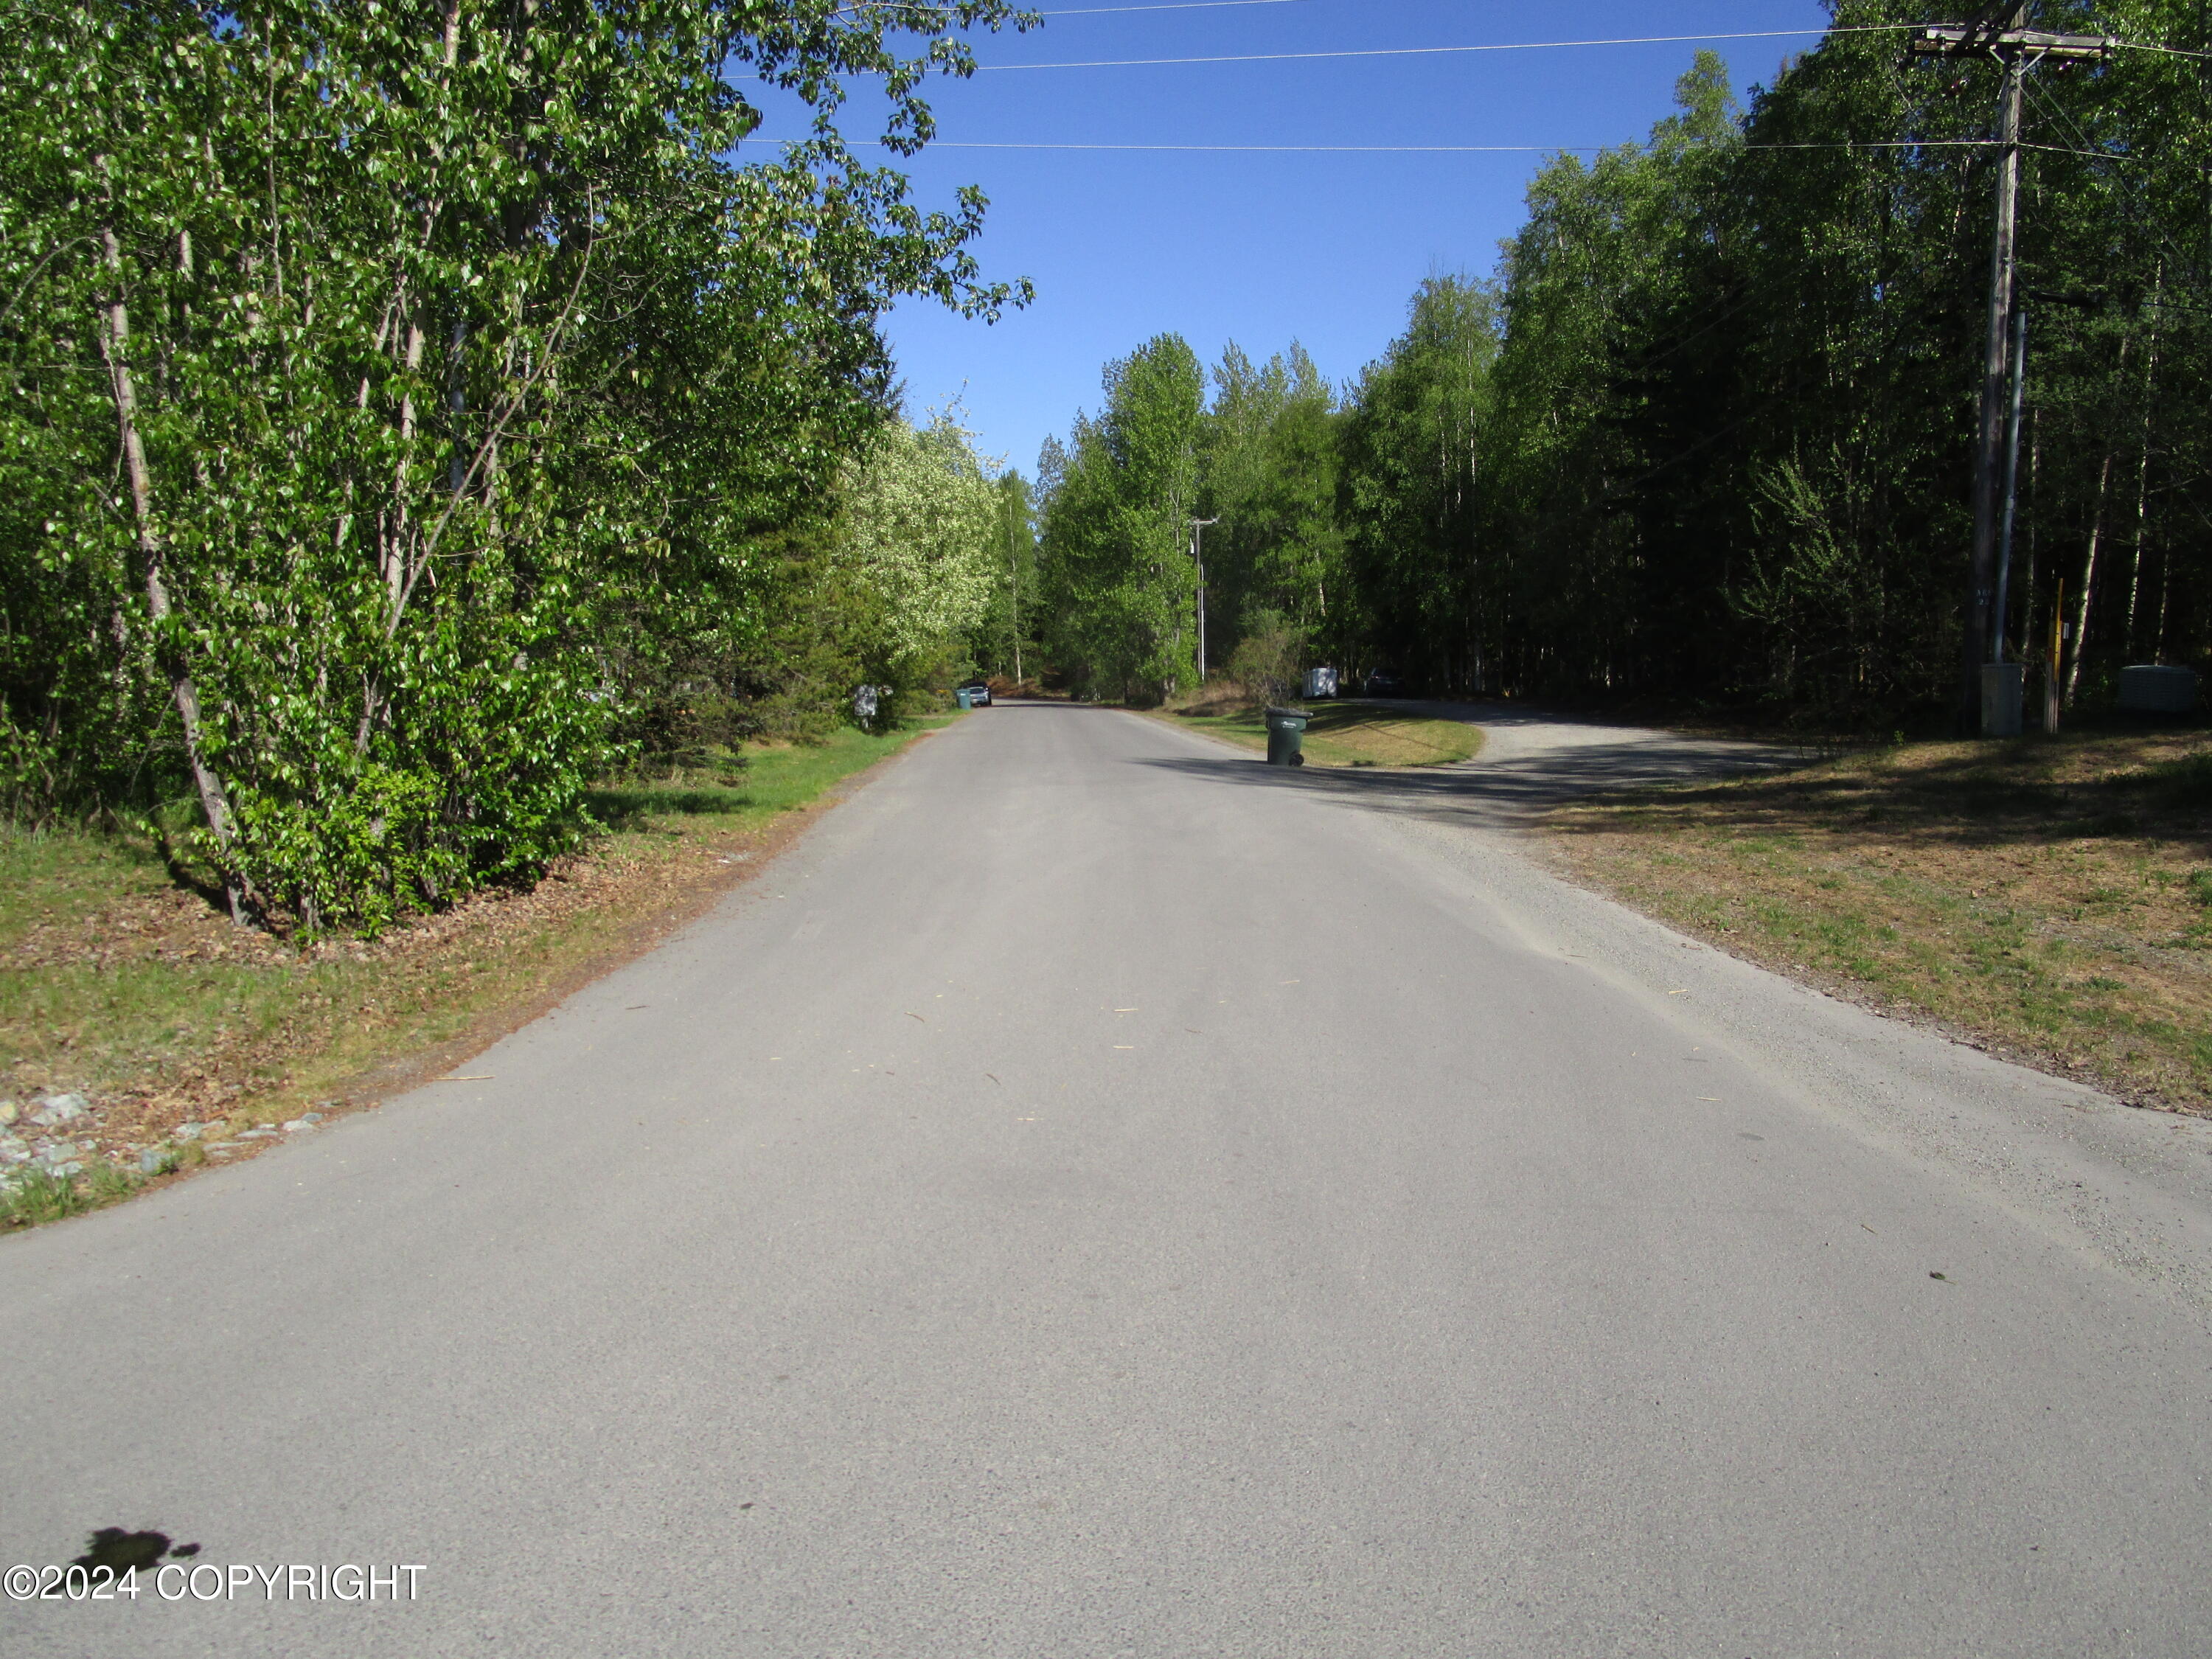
pixel 978 690
pixel 1382 684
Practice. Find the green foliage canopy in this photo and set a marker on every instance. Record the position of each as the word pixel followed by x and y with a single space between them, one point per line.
pixel 1706 435
pixel 1121 586
pixel 390 392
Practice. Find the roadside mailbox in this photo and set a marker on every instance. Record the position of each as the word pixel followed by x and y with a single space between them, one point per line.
pixel 1286 737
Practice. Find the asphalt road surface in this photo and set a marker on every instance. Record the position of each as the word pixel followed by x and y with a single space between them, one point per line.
pixel 1097 1196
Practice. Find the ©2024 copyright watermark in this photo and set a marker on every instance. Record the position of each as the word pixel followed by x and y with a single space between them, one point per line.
pixel 122 1566
pixel 207 1581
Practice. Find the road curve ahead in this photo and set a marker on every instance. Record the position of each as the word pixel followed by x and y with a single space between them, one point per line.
pixel 1097 1196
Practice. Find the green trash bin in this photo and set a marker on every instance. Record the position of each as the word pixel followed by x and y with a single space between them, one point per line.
pixel 964 699
pixel 1286 737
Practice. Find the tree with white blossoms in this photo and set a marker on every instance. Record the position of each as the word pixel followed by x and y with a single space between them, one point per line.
pixel 920 513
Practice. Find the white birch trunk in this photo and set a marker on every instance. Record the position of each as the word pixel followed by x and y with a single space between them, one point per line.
pixel 115 347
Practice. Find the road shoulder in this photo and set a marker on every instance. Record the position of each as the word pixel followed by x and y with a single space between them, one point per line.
pixel 289 1041
pixel 2129 1188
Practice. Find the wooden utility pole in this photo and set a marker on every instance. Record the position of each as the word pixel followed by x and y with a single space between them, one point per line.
pixel 2002 613
pixel 1999 32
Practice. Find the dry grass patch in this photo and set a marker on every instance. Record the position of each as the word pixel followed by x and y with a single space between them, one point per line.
pixel 1344 733
pixel 2050 898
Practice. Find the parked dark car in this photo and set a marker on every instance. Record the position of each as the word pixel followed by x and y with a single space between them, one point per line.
pixel 978 690
pixel 1381 684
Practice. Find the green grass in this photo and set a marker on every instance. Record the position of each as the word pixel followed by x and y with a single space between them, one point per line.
pixel 47 874
pixel 33 1195
pixel 757 784
pixel 116 984
pixel 1354 734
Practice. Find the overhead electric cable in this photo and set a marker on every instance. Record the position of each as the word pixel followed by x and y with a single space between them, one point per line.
pixel 1502 45
pixel 2129 206
pixel 1172 5
pixel 2167 52
pixel 1451 150
pixel 1432 52
pixel 862 11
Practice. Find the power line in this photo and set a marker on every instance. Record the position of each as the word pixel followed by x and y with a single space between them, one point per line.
pixel 2129 206
pixel 1475 149
pixel 862 11
pixel 1431 51
pixel 1513 46
pixel 2168 51
pixel 1175 5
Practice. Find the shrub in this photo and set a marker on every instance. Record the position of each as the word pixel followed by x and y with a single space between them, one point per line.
pixel 1269 661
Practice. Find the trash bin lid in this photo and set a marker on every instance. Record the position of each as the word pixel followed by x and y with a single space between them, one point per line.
pixel 1301 715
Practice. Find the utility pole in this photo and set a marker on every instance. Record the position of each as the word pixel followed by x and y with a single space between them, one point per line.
pixel 2011 486
pixel 1197 545
pixel 1014 590
pixel 1999 32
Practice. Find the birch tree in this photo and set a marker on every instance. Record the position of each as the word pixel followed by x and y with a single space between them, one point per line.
pixel 389 382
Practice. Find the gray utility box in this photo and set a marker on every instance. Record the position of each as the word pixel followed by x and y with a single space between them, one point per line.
pixel 2148 689
pixel 2001 696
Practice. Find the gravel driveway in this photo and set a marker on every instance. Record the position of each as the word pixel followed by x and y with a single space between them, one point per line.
pixel 1532 760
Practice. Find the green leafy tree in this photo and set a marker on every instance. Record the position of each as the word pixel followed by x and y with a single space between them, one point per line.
pixel 397 395
pixel 1120 585
pixel 1417 461
pixel 1270 472
pixel 1707 434
pixel 1004 640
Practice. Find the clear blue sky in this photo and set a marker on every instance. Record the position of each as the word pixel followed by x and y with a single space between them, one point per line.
pixel 1262 249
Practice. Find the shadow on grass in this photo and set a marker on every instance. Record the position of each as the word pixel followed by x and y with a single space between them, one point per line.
pixel 758 783
pixel 2033 792
pixel 1335 717
pixel 1351 734
pixel 628 806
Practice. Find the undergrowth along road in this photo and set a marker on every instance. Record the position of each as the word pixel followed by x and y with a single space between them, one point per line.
pixel 2050 898
pixel 131 994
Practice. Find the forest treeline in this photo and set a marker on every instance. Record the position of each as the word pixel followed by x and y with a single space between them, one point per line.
pixel 1706 435
pixel 414 410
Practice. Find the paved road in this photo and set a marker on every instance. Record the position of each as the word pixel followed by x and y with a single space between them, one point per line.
pixel 1098 1196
